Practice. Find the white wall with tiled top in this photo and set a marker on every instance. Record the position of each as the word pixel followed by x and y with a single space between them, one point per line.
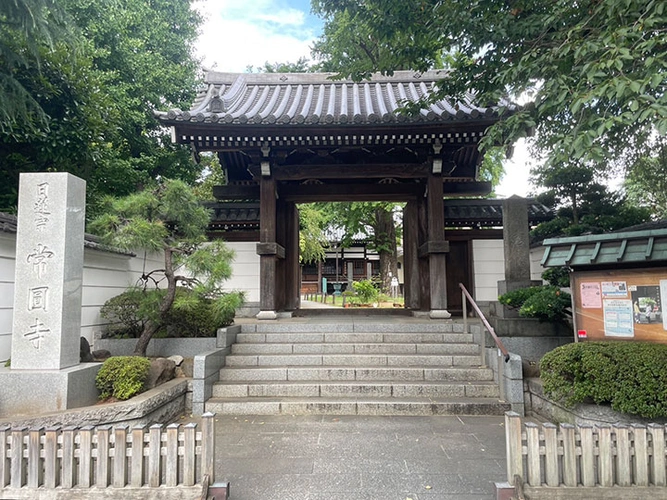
pixel 107 274
pixel 488 268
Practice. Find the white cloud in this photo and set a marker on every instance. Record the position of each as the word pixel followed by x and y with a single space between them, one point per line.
pixel 238 33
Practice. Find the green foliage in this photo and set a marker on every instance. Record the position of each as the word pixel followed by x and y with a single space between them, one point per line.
pixel 366 291
pixel 630 376
pixel 301 65
pixel 191 315
pixel 557 276
pixel 122 377
pixel 546 303
pixel 312 240
pixel 593 70
pixel 646 181
pixel 169 219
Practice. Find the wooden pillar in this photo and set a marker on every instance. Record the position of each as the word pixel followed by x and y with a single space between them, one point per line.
pixel 424 276
pixel 410 255
pixel 436 247
pixel 268 249
pixel 281 239
pixel 292 267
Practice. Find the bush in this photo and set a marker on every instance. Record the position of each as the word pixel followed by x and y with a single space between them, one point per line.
pixel 630 376
pixel 546 303
pixel 122 377
pixel 192 315
pixel 366 291
pixel 557 276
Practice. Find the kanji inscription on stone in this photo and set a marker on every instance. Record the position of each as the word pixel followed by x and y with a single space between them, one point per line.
pixel 39 258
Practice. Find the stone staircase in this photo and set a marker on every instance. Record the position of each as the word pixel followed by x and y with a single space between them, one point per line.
pixel 379 367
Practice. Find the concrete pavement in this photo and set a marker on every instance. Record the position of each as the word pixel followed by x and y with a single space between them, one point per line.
pixel 360 458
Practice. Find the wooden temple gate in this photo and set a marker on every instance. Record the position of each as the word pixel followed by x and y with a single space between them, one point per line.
pixel 286 139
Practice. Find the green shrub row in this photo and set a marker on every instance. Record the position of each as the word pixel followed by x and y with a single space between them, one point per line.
pixel 546 303
pixel 630 376
pixel 122 377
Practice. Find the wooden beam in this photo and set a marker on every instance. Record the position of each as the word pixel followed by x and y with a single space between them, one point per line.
pixel 236 192
pixel 351 192
pixel 436 238
pixel 350 171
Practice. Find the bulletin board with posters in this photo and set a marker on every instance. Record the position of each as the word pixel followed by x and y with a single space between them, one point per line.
pixel 625 304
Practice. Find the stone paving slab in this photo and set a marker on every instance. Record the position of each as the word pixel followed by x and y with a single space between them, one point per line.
pixel 360 458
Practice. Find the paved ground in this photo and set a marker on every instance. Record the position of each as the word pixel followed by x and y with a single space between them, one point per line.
pixel 360 458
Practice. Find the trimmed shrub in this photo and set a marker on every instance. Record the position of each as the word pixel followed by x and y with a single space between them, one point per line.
pixel 557 276
pixel 366 291
pixel 546 303
pixel 629 376
pixel 122 377
pixel 192 315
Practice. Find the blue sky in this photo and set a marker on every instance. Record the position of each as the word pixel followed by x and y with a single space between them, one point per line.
pixel 238 33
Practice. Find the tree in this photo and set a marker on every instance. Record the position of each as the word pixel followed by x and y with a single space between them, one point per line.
pixel 646 181
pixel 312 239
pixel 133 56
pixel 27 28
pixel 169 219
pixel 593 70
pixel 301 65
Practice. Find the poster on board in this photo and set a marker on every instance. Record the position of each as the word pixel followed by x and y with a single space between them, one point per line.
pixel 614 289
pixel 590 295
pixel 618 316
pixel 646 304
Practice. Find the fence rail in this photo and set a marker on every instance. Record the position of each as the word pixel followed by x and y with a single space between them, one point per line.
pixel 585 455
pixel 70 457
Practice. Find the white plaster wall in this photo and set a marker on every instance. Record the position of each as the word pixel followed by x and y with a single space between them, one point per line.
pixel 488 267
pixel 536 268
pixel 245 271
pixel 106 275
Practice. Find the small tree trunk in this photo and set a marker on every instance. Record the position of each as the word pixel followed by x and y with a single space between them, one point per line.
pixel 150 328
pixel 385 238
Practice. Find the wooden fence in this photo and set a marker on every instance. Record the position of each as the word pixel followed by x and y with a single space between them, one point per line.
pixel 101 457
pixel 585 455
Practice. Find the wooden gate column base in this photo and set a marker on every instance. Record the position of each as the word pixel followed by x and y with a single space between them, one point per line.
pixel 439 314
pixel 267 315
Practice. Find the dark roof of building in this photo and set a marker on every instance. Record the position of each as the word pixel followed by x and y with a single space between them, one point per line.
pixel 312 98
pixel 458 213
pixel 626 247
pixel 488 212
pixel 8 224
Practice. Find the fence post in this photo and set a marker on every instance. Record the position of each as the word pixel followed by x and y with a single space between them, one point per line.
pixel 569 455
pixel 551 454
pixel 623 461
pixel 51 457
pixel 657 432
pixel 641 455
pixel 533 455
pixel 68 459
pixel 172 455
pixel 137 456
pixel 464 301
pixel 34 460
pixel 606 457
pixel 4 464
pixel 587 455
pixel 208 446
pixel 500 363
pixel 102 475
pixel 189 454
pixel 513 446
pixel 154 454
pixel 85 456
pixel 16 458
pixel 120 456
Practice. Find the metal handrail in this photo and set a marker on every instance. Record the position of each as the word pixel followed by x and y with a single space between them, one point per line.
pixel 486 324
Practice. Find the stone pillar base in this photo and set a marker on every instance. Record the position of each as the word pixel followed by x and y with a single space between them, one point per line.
pixel 503 491
pixel 35 392
pixel 266 315
pixel 439 314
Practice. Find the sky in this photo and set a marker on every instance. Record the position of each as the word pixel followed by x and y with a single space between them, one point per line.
pixel 241 33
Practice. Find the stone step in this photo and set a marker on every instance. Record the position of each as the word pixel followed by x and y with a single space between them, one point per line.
pixel 355 348
pixel 359 373
pixel 351 360
pixel 352 337
pixel 355 326
pixel 357 406
pixel 356 389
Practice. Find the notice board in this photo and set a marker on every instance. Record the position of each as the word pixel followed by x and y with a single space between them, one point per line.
pixel 624 304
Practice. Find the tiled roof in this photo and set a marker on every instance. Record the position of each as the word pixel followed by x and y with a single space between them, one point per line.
pixel 647 247
pixel 488 212
pixel 312 98
pixel 8 224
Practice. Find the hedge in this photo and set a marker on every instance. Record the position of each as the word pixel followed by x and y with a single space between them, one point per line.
pixel 630 376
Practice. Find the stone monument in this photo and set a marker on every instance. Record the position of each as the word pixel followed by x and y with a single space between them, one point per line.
pixel 45 373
